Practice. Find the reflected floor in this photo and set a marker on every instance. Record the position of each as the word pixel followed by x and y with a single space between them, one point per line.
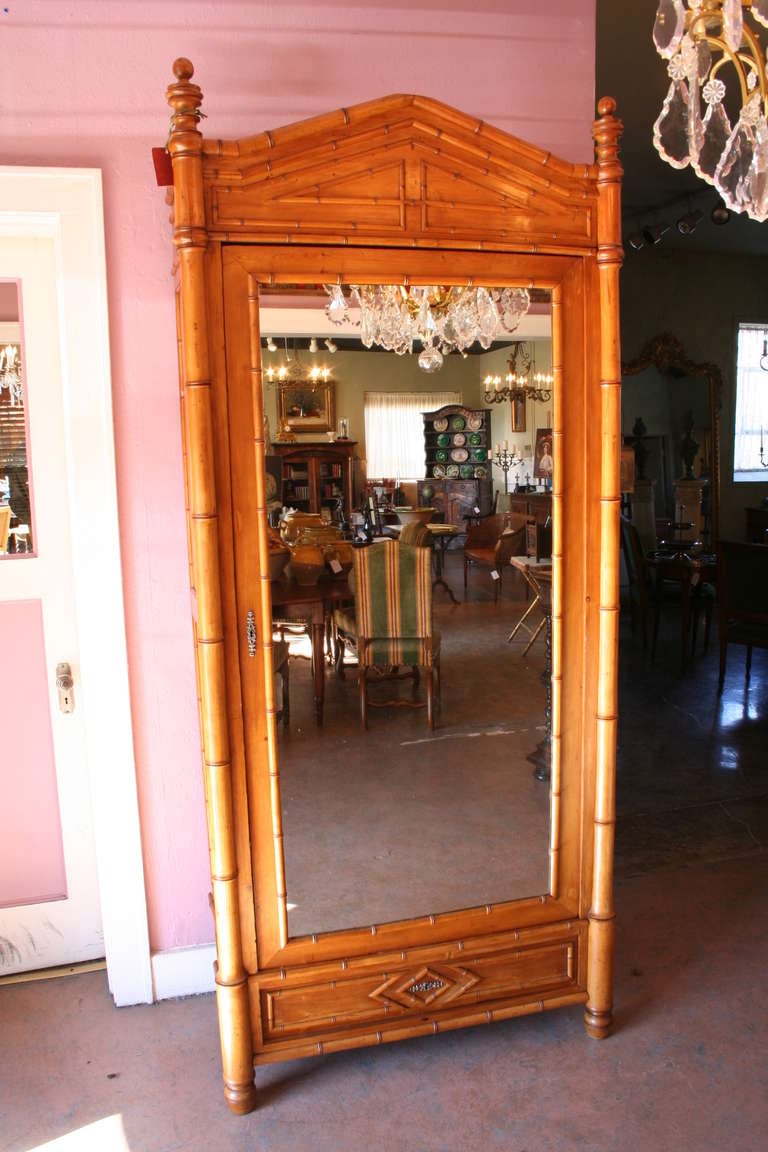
pixel 398 822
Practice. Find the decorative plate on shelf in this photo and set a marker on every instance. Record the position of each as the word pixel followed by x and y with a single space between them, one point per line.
pixel 441 424
pixel 441 455
pixel 466 471
pixel 459 455
pixel 443 440
pixel 479 454
pixel 452 472
pixel 438 471
pixel 459 439
pixel 480 472
pixel 474 423
pixel 475 438
pixel 458 423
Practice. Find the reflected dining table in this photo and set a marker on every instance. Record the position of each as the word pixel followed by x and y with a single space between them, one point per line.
pixel 440 537
pixel 693 572
pixel 313 604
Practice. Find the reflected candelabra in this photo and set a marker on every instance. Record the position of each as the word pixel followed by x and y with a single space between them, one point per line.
pixel 505 460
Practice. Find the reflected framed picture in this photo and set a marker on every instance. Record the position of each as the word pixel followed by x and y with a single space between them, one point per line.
pixel 307 407
pixel 542 456
pixel 517 412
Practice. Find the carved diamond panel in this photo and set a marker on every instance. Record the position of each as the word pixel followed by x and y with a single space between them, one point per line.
pixel 425 986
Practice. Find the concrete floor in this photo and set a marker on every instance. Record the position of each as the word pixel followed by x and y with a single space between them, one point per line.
pixel 684 1069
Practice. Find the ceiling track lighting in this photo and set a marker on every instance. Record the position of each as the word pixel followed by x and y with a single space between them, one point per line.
pixel 688 223
pixel 720 214
pixel 654 232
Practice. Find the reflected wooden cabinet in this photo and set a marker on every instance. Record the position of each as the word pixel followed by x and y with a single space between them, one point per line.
pixel 316 476
pixel 536 507
pixel 436 197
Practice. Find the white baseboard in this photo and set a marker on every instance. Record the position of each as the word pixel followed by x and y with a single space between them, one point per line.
pixel 183 971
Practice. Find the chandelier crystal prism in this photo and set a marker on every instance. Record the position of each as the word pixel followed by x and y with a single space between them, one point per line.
pixel 441 319
pixel 717 69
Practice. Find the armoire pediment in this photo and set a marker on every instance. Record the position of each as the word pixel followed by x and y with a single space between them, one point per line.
pixel 403 169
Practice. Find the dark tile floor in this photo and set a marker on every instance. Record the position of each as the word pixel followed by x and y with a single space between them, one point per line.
pixel 684 1069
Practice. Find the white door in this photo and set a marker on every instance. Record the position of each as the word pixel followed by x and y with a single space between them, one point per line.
pixel 71 878
pixel 49 898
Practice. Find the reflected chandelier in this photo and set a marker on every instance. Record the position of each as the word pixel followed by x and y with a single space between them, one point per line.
pixel 441 319
pixel 715 58
pixel 293 373
pixel 10 373
pixel 522 381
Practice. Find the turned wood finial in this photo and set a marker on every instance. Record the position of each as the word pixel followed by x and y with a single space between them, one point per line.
pixel 606 131
pixel 184 98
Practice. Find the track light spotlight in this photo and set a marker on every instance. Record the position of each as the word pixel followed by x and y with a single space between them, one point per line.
pixel 654 233
pixel 330 345
pixel 688 223
pixel 313 344
pixel 271 344
pixel 720 214
pixel 636 241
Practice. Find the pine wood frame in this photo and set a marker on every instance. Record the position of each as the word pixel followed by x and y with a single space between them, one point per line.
pixel 401 188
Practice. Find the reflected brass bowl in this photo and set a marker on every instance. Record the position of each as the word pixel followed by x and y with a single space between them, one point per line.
pixel 414 515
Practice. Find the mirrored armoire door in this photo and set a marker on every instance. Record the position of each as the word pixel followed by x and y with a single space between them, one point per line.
pixel 480 209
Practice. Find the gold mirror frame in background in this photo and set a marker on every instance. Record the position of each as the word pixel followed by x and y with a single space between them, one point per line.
pixel 666 354
pixel 438 196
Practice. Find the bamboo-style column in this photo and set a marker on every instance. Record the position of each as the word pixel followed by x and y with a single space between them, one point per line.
pixel 185 146
pixel 598 1013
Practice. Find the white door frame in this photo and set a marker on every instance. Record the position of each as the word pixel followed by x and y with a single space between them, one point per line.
pixel 65 204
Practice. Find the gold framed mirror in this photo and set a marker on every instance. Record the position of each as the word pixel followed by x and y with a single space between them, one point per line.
pixel 436 198
pixel 674 397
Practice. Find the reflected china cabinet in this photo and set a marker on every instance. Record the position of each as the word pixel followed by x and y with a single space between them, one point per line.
pixel 438 198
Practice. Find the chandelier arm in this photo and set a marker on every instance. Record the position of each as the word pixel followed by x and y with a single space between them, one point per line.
pixel 741 61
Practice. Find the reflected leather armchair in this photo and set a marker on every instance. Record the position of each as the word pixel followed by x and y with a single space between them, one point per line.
pixel 392 627
pixel 742 588
pixel 490 544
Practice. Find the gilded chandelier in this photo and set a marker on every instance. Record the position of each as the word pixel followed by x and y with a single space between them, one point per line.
pixel 717 71
pixel 522 382
pixel 441 319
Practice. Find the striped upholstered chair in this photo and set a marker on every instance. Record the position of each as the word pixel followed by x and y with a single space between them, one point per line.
pixel 391 631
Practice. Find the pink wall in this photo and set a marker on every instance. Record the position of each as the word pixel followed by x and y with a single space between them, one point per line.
pixel 83 85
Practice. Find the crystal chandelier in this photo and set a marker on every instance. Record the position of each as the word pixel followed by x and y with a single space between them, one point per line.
pixel 522 381
pixel 715 59
pixel 441 319
pixel 10 373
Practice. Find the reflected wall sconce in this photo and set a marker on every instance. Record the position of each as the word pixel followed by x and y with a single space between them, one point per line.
pixel 330 345
pixel 271 344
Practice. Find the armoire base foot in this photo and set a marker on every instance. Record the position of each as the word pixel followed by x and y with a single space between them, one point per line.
pixel 599 1025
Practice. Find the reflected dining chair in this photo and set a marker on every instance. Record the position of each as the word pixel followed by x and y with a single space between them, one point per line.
pixel 742 589
pixel 489 544
pixel 391 631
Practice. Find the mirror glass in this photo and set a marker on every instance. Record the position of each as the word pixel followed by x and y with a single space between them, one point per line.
pixel 668 416
pixel 399 822
pixel 15 509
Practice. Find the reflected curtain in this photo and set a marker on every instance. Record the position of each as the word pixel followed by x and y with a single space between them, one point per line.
pixel 394 431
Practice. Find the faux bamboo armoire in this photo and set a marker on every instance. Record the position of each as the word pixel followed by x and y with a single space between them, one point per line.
pixel 400 190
